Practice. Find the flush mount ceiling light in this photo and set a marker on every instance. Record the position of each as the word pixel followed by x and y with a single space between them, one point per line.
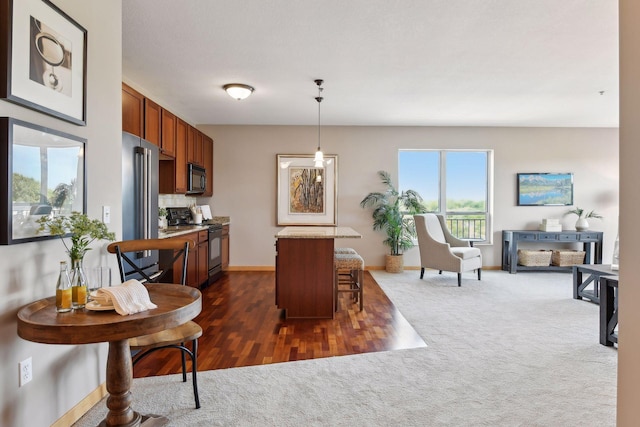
pixel 238 91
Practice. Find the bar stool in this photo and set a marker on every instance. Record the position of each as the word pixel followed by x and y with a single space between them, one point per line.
pixel 349 269
pixel 344 251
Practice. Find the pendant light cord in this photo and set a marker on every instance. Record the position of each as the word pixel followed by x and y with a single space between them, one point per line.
pixel 319 99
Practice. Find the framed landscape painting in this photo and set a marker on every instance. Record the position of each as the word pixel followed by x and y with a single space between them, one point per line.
pixel 43 59
pixel 306 193
pixel 45 175
pixel 545 189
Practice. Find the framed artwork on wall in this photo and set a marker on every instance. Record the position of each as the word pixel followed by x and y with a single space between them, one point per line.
pixel 45 175
pixel 307 195
pixel 545 189
pixel 43 59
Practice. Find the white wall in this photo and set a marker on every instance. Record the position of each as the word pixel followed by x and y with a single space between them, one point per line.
pixel 63 375
pixel 245 178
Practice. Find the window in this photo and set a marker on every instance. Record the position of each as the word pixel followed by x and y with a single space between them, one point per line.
pixel 454 183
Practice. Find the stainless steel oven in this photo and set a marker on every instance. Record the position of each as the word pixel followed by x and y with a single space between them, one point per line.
pixel 215 252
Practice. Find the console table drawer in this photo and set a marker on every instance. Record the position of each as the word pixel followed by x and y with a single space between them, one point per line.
pixel 589 236
pixel 547 237
pixel 568 237
pixel 527 236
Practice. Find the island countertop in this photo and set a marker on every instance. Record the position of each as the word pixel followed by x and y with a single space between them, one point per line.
pixel 300 232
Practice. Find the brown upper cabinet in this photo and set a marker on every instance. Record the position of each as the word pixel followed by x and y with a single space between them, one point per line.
pixel 132 110
pixel 152 121
pixel 168 136
pixel 195 147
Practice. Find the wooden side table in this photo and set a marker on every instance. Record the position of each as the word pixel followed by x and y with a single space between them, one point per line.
pixel 39 322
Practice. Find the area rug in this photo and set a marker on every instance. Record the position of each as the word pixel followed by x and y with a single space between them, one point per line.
pixel 510 350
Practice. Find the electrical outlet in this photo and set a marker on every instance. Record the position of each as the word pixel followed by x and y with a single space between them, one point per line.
pixel 26 373
pixel 106 214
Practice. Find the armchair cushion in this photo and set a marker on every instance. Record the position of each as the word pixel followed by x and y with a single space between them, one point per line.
pixel 466 253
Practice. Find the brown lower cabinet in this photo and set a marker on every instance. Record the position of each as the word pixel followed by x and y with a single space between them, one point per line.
pixel 198 260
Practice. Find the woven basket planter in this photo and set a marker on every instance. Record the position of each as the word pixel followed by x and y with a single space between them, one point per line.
pixel 394 263
pixel 564 258
pixel 531 258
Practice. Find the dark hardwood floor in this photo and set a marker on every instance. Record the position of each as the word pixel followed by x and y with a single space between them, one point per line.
pixel 243 327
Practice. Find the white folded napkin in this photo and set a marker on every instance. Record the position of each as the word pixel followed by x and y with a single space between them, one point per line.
pixel 129 298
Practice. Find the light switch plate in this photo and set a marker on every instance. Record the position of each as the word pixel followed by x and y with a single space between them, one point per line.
pixel 106 214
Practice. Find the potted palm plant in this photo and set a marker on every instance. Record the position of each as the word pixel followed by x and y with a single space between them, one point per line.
pixel 393 213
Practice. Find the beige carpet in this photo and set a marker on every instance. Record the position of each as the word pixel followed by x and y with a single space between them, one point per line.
pixel 510 350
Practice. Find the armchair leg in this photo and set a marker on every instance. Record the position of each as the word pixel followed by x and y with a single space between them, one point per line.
pixel 479 273
pixel 421 272
pixel 459 279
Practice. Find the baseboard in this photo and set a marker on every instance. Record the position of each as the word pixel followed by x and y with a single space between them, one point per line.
pixel 368 267
pixel 75 413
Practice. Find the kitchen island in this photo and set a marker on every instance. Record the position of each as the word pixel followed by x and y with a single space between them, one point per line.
pixel 304 270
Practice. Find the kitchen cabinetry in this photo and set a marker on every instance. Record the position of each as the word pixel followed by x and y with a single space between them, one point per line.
pixel 225 247
pixel 173 173
pixel 197 262
pixel 195 147
pixel 207 154
pixel 179 142
pixel 152 121
pixel 132 111
pixel 168 135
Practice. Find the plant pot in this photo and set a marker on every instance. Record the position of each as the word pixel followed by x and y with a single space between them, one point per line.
pixel 582 224
pixel 394 263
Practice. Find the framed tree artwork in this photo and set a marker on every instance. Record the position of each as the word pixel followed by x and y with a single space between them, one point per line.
pixel 307 195
pixel 43 59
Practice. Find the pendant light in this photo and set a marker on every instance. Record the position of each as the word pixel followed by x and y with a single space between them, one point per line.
pixel 319 157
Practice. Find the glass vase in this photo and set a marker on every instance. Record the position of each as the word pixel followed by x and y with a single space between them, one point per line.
pixel 78 284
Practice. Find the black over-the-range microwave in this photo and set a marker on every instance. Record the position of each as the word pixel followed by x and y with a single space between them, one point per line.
pixel 197 179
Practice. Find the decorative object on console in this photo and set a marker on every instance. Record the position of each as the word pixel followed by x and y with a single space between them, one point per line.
pixel 45 61
pixel 550 224
pixel 545 189
pixel 391 211
pixel 582 224
pixel 238 91
pixel 302 199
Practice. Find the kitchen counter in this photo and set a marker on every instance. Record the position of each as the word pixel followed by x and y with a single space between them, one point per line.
pixel 317 233
pixel 179 230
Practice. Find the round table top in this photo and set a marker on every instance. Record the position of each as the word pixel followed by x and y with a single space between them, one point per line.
pixel 39 321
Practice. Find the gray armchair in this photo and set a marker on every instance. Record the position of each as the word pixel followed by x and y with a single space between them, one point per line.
pixel 440 250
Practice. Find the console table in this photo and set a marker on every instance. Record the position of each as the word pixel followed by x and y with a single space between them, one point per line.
pixel 511 238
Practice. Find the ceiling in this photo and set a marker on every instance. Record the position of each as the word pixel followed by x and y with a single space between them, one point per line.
pixel 384 62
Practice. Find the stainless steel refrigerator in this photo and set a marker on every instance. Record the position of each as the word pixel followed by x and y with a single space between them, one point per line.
pixel 140 196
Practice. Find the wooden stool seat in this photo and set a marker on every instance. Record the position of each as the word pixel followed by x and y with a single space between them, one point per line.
pixel 349 269
pixel 180 334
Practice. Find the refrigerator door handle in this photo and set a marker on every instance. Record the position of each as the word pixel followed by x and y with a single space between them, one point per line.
pixel 144 193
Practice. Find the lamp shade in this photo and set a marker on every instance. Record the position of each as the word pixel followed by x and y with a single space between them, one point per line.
pixel 238 91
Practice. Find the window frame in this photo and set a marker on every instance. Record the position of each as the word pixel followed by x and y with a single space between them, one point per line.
pixel 442 187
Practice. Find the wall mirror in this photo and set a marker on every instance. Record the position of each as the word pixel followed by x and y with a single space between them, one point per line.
pixel 45 175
